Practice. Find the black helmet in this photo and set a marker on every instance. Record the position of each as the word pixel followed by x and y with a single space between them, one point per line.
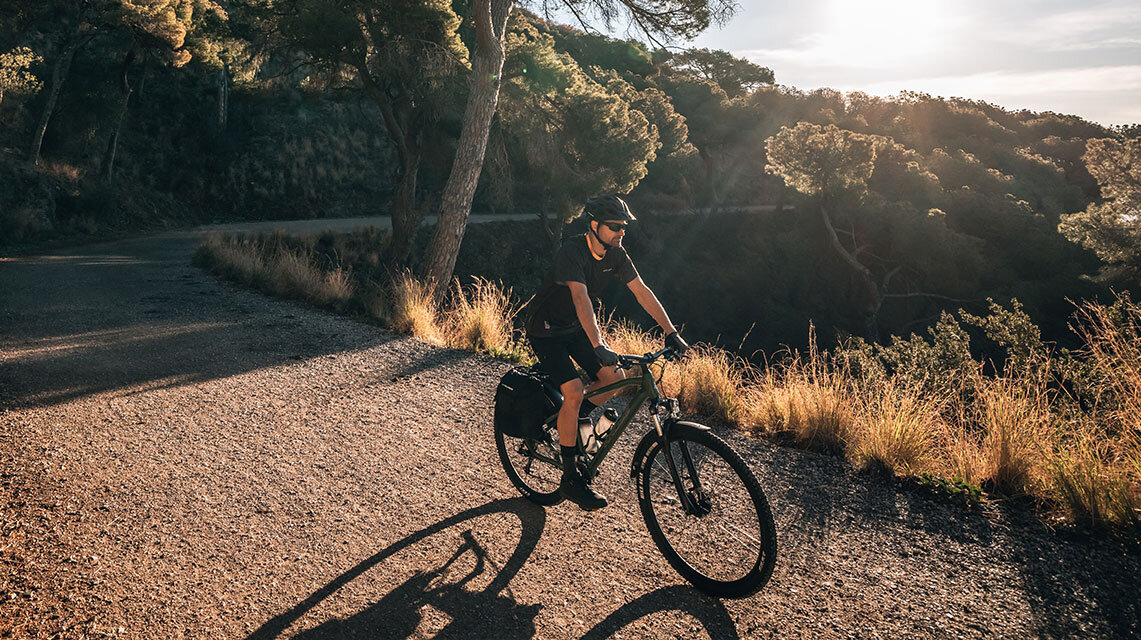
pixel 608 208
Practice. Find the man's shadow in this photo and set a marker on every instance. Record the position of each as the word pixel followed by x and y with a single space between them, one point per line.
pixel 488 612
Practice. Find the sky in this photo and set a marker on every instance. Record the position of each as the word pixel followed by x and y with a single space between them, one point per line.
pixel 1080 57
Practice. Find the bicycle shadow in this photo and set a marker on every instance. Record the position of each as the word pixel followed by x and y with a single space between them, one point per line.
pixel 467 613
pixel 398 613
pixel 708 611
pixel 445 601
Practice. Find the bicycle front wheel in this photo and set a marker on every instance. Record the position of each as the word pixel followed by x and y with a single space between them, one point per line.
pixel 529 464
pixel 725 542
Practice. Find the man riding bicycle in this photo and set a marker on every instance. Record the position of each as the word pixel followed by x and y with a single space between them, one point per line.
pixel 562 325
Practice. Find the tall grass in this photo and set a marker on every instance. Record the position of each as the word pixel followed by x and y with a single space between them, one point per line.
pixel 1097 468
pixel 805 396
pixel 275 269
pixel 413 309
pixel 1015 416
pixel 478 317
pixel 897 429
pixel 1015 434
pixel 481 318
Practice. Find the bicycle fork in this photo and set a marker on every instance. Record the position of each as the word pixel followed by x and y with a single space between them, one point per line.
pixel 693 501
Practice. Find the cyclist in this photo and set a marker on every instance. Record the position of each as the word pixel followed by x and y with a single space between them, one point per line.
pixel 562 325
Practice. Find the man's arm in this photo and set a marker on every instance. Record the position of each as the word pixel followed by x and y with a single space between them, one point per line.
pixel 585 312
pixel 650 303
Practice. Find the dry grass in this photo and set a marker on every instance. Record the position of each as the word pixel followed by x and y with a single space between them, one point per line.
pixel 897 430
pixel 1012 434
pixel 481 317
pixel 1015 415
pixel 1097 467
pixel 232 259
pixel 805 397
pixel 413 309
pixel 709 382
pixel 283 272
pixel 294 276
pixel 1083 481
pixel 964 456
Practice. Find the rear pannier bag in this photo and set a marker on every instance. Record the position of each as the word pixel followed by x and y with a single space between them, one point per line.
pixel 521 406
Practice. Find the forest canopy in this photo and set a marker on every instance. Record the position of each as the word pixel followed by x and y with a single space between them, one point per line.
pixel 764 208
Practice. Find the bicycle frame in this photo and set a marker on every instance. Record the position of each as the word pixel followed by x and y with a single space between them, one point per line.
pixel 647 392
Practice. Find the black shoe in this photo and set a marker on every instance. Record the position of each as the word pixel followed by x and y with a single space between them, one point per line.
pixel 574 488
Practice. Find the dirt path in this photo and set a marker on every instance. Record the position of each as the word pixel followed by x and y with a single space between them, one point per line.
pixel 180 459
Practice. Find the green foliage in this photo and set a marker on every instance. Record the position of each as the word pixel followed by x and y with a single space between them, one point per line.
pixel 931 365
pixel 14 75
pixel 669 19
pixel 576 137
pixel 956 488
pixel 826 161
pixel 1112 229
pixel 1013 330
pixel 735 76
pixel 627 58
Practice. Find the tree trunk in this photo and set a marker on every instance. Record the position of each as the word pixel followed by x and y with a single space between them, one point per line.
pixel 406 216
pixel 871 299
pixel 108 168
pixel 59 74
pixel 490 24
pixel 223 98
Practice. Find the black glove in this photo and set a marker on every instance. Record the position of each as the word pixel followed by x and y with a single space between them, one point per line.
pixel 675 341
pixel 607 357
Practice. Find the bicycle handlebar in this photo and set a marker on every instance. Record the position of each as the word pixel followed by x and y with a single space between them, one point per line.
pixel 630 361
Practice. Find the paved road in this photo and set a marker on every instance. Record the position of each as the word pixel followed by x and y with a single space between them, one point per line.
pixel 182 459
pixel 385 222
pixel 347 224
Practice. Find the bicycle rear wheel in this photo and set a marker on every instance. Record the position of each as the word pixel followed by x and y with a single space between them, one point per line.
pixel 726 544
pixel 529 465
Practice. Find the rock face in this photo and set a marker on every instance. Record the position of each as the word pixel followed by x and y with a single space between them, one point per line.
pixel 179 458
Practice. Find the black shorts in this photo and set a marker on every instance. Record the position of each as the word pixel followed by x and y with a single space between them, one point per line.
pixel 555 354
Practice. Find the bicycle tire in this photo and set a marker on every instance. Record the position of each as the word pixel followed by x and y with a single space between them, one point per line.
pixel 536 479
pixel 730 550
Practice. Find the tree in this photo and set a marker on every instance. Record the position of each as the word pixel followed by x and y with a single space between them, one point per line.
pixel 711 89
pixel 1112 229
pixel 404 54
pixel 834 166
pixel 74 17
pixel 737 77
pixel 656 18
pixel 156 31
pixel 576 137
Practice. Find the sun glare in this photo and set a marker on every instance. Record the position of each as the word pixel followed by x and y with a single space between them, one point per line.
pixel 881 33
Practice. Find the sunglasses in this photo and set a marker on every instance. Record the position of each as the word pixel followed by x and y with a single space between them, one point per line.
pixel 615 226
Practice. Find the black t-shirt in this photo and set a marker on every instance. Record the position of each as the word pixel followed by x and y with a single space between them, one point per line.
pixel 552 310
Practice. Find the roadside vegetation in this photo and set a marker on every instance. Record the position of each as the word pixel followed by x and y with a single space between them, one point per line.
pixel 1060 428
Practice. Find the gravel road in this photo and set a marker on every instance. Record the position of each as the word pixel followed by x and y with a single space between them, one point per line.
pixel 182 459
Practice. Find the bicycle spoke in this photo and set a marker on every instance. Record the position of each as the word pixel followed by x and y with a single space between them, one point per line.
pixel 752 543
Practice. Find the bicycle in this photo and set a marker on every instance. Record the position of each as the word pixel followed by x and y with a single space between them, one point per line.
pixel 703 506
